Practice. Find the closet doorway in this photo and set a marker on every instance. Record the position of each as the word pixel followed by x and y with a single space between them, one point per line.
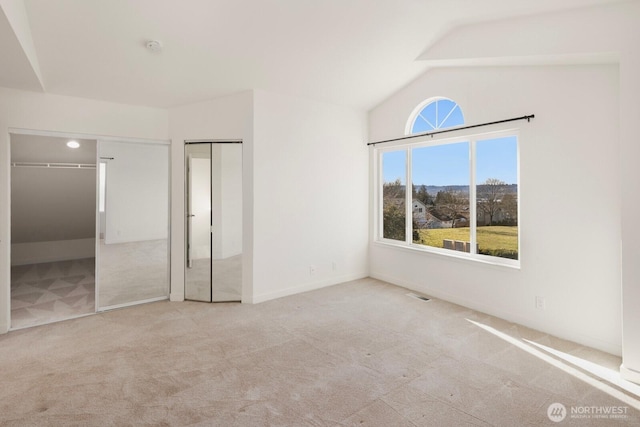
pixel 53 205
pixel 213 221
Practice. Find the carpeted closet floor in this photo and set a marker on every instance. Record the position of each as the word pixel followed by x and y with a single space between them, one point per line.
pixel 52 291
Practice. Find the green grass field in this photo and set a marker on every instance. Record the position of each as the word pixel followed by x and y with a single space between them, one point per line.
pixel 489 238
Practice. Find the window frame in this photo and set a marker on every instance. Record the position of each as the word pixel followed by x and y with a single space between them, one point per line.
pixel 416 112
pixel 431 141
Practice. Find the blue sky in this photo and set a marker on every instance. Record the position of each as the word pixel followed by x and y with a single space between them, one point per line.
pixel 497 158
pixel 449 164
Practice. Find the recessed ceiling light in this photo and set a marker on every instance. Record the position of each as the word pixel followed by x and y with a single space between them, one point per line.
pixel 154 45
pixel 73 144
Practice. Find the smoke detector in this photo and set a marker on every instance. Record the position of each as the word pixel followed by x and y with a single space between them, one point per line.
pixel 154 45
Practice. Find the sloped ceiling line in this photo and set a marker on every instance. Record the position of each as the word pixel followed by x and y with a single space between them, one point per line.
pixel 543 39
pixel 15 14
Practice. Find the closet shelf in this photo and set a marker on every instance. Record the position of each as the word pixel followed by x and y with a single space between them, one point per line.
pixel 53 165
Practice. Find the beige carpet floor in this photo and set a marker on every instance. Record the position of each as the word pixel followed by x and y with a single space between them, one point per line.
pixel 356 354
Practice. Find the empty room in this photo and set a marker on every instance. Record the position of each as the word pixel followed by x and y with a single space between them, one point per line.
pixel 284 212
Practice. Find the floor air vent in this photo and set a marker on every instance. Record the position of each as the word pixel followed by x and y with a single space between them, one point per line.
pixel 416 296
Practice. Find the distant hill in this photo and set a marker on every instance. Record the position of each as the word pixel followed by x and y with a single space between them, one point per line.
pixel 434 189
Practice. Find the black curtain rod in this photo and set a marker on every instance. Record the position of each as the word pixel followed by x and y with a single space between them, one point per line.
pixel 527 118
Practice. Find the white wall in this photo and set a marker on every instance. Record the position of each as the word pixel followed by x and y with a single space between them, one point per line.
pixel 226 118
pixel 630 185
pixel 28 110
pixel 304 189
pixel 569 199
pixel 137 190
pixel 310 195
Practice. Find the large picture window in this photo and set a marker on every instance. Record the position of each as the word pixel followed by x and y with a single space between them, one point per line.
pixel 462 199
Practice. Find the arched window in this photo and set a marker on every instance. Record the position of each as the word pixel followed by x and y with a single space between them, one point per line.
pixel 434 113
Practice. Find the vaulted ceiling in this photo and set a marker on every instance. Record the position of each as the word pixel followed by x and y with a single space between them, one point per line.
pixel 349 52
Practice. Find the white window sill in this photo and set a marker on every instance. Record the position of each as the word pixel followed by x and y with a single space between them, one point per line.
pixel 451 254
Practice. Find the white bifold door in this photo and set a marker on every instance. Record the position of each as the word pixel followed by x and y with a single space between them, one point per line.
pixel 213 221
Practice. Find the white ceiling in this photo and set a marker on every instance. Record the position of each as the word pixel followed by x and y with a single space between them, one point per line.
pixel 349 52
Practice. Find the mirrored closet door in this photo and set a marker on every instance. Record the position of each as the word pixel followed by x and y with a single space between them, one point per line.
pixel 213 221
pixel 133 249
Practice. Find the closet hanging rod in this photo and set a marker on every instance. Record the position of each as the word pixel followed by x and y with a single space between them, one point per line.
pixel 53 165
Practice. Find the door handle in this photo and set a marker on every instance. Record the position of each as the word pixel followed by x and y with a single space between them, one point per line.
pixel 190 216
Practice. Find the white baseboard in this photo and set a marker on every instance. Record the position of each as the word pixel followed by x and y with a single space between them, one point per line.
pixel 557 330
pixel 305 288
pixel 629 374
pixel 59 250
pixel 176 297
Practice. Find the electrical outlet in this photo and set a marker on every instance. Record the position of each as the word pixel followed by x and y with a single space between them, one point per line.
pixel 541 303
pixel 312 270
pixel 334 265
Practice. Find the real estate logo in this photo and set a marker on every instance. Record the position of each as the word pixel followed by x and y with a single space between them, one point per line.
pixel 556 412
